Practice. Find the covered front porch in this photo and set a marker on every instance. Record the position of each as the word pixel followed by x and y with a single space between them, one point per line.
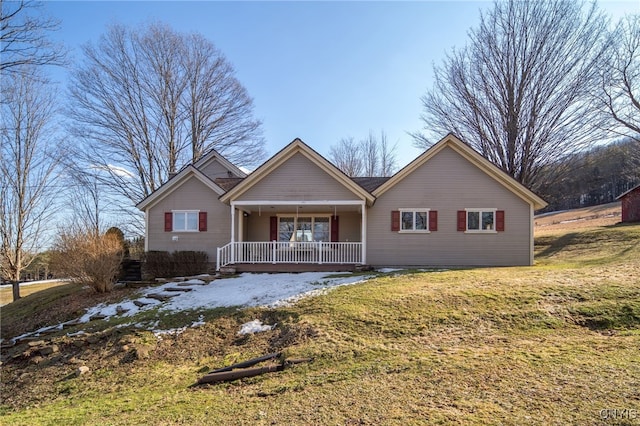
pixel 277 236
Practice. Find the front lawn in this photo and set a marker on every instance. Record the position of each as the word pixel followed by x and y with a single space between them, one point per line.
pixel 557 343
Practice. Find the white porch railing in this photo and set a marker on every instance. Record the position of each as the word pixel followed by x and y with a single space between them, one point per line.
pixel 289 252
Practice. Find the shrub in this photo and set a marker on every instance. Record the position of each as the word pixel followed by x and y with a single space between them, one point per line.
pixel 166 264
pixel 88 258
pixel 157 264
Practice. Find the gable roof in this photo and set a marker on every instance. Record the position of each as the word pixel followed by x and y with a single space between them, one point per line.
pixel 173 183
pixel 624 194
pixel 295 147
pixel 473 157
pixel 215 155
pixel 370 183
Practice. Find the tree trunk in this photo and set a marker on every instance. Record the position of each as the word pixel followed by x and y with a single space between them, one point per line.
pixel 16 290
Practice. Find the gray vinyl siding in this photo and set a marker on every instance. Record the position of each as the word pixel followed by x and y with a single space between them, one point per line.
pixel 258 227
pixel 448 183
pixel 349 226
pixel 213 169
pixel 191 195
pixel 298 179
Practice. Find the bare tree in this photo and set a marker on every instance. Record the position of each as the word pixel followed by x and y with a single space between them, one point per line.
pixel 24 37
pixel 144 102
pixel 519 91
pixel 345 155
pixel 28 164
pixel 367 157
pixel 370 154
pixel 619 94
pixel 222 121
pixel 388 160
pixel 87 203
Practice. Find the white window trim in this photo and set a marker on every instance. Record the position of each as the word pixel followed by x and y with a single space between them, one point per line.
pixel 480 231
pixel 173 213
pixel 295 220
pixel 414 231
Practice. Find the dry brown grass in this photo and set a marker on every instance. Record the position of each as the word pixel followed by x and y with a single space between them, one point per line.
pixel 552 344
pixel 577 219
pixel 6 293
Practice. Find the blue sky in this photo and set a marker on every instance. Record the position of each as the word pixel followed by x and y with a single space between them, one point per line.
pixel 319 71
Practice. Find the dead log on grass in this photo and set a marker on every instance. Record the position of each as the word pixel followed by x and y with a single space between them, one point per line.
pixel 240 370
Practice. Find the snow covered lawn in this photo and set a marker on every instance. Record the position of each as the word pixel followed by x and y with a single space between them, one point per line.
pixel 269 290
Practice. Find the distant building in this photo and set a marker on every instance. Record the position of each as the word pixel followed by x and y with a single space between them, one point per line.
pixel 630 205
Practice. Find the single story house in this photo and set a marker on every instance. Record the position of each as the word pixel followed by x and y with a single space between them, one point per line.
pixel 297 211
pixel 630 201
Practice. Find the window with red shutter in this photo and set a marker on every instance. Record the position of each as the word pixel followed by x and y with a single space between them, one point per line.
pixel 500 220
pixel 462 220
pixel 273 228
pixel 202 221
pixel 168 222
pixel 433 220
pixel 334 229
pixel 395 220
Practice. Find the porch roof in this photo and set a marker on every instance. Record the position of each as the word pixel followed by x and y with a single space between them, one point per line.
pixel 332 207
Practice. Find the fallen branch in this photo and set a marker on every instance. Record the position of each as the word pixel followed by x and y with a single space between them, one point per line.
pixel 248 363
pixel 239 370
pixel 227 376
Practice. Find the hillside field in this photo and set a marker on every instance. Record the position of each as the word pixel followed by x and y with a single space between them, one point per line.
pixel 556 343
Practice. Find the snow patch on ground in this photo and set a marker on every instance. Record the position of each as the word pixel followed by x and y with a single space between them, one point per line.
pixel 255 326
pixel 244 290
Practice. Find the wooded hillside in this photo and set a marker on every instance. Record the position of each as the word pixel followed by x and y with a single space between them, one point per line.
pixel 592 177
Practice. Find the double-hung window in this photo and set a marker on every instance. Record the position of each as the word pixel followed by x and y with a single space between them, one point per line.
pixel 414 220
pixel 185 221
pixel 481 220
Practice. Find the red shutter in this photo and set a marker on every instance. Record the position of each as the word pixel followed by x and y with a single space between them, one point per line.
pixel 273 228
pixel 334 229
pixel 433 220
pixel 168 221
pixel 462 220
pixel 500 220
pixel 395 220
pixel 202 221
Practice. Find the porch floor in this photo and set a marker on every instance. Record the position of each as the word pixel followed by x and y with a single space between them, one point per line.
pixel 293 267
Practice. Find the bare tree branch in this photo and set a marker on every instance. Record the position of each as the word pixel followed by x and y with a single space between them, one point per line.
pixel 619 91
pixel 519 91
pixel 368 157
pixel 24 37
pixel 345 155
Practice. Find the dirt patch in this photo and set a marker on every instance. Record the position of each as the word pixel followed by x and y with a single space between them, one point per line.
pixel 588 217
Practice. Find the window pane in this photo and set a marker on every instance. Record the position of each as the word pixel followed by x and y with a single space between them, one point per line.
pixel 407 220
pixel 473 220
pixel 179 222
pixel 321 229
pixel 192 221
pixel 303 229
pixel 487 221
pixel 421 220
pixel 285 229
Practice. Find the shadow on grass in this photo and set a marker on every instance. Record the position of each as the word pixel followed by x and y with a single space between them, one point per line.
pixel 600 316
pixel 557 244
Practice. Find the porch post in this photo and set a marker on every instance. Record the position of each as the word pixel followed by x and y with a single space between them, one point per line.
pixel 233 239
pixel 363 232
